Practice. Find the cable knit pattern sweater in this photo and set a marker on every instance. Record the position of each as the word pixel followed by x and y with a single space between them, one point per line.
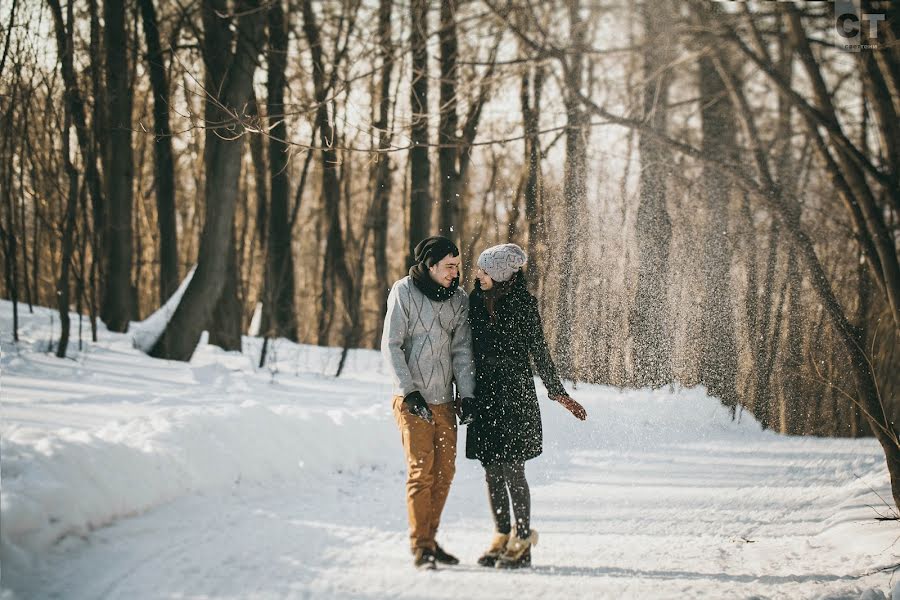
pixel 427 345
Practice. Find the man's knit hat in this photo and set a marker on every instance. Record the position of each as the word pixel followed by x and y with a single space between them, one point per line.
pixel 432 250
pixel 502 262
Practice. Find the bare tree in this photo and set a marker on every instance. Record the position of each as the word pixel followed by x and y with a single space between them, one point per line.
pixel 335 270
pixel 280 259
pixel 229 84
pixel 419 163
pixel 117 308
pixel 718 348
pixel 532 85
pixel 382 168
pixel 649 317
pixel 574 187
pixel 164 162
pixel 75 103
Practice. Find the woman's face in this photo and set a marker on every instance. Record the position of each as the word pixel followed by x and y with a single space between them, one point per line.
pixel 484 279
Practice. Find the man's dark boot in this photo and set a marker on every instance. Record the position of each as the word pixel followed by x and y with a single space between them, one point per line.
pixel 424 559
pixel 443 557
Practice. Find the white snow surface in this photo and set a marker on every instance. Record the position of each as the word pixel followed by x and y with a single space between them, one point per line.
pixel 129 477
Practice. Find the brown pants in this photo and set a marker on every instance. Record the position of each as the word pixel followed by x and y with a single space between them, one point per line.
pixel 431 463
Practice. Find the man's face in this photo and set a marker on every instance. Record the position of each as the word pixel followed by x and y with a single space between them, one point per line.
pixel 444 272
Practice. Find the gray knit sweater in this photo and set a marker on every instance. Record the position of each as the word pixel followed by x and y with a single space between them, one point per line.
pixel 427 345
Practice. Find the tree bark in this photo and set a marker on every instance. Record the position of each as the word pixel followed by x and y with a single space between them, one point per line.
pixel 718 348
pixel 62 286
pixel 335 269
pixel 382 168
pixel 164 161
pixel 419 164
pixel 648 320
pixel 530 98
pixel 100 146
pixel 449 201
pixel 117 308
pixel 229 84
pixel 75 105
pixel 279 259
pixel 574 189
pixel 225 323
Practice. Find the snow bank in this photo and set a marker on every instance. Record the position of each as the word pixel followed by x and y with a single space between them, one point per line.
pixel 74 481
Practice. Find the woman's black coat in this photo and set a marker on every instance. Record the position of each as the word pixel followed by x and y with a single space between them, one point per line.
pixel 508 424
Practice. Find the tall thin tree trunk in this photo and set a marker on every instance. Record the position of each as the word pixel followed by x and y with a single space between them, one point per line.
pixel 649 317
pixel 419 164
pixel 164 162
pixel 718 348
pixel 530 98
pixel 449 202
pixel 280 259
pixel 382 168
pixel 7 170
pixel 75 105
pixel 62 286
pixel 335 269
pixel 574 189
pixel 117 308
pixel 99 141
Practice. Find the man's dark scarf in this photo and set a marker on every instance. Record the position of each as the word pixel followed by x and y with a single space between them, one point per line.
pixel 428 286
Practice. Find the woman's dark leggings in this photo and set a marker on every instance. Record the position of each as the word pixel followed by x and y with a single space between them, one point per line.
pixel 507 482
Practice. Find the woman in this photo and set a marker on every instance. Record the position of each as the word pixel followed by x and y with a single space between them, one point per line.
pixel 505 429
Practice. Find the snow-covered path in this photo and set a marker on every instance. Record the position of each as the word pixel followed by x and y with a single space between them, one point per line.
pixel 672 527
pixel 125 477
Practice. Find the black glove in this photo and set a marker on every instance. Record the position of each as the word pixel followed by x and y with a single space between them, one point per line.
pixel 417 406
pixel 468 411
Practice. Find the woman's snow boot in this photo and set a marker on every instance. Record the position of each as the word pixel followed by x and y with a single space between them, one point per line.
pixel 517 553
pixel 489 558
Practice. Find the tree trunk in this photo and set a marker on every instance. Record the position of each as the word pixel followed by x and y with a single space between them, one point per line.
pixel 117 308
pixel 225 324
pixel 718 348
pixel 231 73
pixel 419 165
pixel 164 161
pixel 280 260
pixel 791 386
pixel 649 316
pixel 574 189
pixel 335 269
pixel 99 146
pixel 382 168
pixel 62 286
pixel 75 105
pixel 531 90
pixel 7 169
pixel 763 345
pixel 449 202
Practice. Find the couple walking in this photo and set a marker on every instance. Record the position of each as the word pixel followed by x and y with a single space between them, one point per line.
pixel 436 336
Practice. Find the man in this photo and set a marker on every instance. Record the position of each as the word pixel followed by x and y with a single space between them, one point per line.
pixel 427 345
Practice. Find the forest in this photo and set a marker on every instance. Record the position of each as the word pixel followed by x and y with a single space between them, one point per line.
pixel 708 192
